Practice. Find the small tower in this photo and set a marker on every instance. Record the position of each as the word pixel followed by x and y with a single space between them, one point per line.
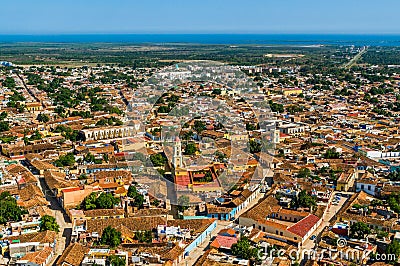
pixel 276 136
pixel 177 159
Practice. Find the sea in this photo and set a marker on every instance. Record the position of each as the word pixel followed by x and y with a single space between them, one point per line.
pixel 226 39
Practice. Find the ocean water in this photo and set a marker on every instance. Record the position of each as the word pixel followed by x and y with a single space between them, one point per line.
pixel 260 39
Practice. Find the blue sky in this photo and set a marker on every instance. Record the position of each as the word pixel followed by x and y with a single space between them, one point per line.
pixel 199 16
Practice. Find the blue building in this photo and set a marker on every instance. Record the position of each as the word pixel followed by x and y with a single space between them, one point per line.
pixel 200 238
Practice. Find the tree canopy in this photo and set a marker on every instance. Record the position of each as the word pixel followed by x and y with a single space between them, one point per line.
pixel 48 222
pixel 199 126
pixel 304 200
pixel 111 237
pixel 138 198
pixel 158 160
pixel 44 118
pixel 190 149
pixel 115 260
pixel 394 248
pixel 144 236
pixel 243 249
pixel 331 154
pixel 394 202
pixel 183 202
pixel 359 230
pixel 9 209
pixel 65 160
pixel 103 201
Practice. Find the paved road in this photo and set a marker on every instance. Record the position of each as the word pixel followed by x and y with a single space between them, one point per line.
pixel 199 251
pixel 332 211
pixel 64 236
pixel 357 57
pixel 27 89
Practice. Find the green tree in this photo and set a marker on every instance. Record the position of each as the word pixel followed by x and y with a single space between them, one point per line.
pixel 187 135
pixel 221 157
pixel 183 202
pixel 305 200
pixel 394 202
pixel 115 260
pixel 144 236
pixel 36 135
pixel 132 191
pixel 155 202
pixel 163 109
pixel 82 177
pixel 44 118
pixel 255 146
pixel 276 107
pixel 21 108
pixel 190 149
pixel 394 176
pixel 48 222
pixel 359 230
pixel 138 198
pixel 9 82
pixel 199 126
pixel 381 234
pixel 89 158
pixel 106 201
pixel 4 126
pixel 331 154
pixel 65 160
pixel 394 248
pixel 157 159
pixel 250 127
pixel 111 237
pixel 89 203
pixel 3 115
pixel 60 111
pixel 216 91
pixel 9 209
pixel 243 249
pixel 304 173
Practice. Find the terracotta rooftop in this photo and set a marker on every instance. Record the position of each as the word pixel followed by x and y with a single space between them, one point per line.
pixel 223 242
pixel 302 227
pixel 104 212
pixel 267 206
pixel 72 255
pixel 42 237
pixel 38 257
pixel 133 223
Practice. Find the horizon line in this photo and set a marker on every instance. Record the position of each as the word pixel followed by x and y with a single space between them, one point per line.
pixel 200 33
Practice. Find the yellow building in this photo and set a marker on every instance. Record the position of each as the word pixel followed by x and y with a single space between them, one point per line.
pixel 291 91
pixel 33 107
pixel 346 181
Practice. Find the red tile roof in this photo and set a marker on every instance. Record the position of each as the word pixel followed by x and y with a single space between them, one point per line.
pixel 223 242
pixel 182 180
pixel 71 189
pixel 302 227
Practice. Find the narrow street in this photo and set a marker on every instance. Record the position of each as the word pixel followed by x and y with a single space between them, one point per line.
pixel 332 211
pixel 64 236
pixel 199 251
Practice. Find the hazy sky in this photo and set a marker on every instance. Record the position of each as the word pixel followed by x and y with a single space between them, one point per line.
pixel 199 16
